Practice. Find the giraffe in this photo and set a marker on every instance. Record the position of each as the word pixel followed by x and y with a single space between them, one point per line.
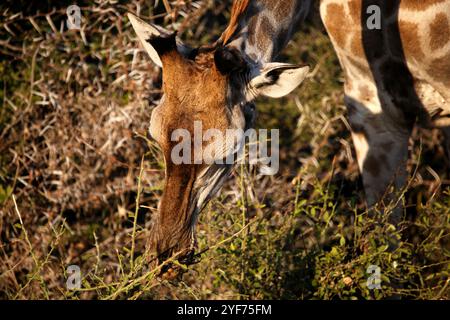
pixel 221 82
pixel 395 77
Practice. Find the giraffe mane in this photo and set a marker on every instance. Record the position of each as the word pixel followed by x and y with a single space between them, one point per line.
pixel 239 7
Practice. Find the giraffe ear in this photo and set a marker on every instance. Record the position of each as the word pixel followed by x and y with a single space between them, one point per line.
pixel 148 33
pixel 145 32
pixel 276 79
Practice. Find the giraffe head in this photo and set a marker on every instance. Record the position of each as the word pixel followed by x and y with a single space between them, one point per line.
pixel 214 86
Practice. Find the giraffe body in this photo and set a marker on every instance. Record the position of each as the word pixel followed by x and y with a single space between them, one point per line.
pixel 395 77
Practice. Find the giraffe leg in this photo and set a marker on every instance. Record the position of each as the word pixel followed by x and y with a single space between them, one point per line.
pixel 382 150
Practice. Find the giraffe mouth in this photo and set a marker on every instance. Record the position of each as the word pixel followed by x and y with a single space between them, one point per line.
pixel 172 271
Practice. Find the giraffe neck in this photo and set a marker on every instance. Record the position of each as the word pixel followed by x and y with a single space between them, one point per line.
pixel 265 27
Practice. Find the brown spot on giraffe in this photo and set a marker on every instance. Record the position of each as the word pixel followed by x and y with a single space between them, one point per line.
pixel 356 46
pixel 335 21
pixel 267 28
pixel 440 70
pixel 272 5
pixel 419 5
pixel 410 44
pixel 354 10
pixel 253 22
pixel 283 9
pixel 439 31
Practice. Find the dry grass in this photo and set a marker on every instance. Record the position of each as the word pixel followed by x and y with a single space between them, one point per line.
pixel 73 131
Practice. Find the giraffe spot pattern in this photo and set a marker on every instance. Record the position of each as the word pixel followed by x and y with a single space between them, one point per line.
pixel 268 29
pixel 335 20
pixel 439 31
pixel 420 5
pixel 410 43
pixel 357 45
pixel 440 69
